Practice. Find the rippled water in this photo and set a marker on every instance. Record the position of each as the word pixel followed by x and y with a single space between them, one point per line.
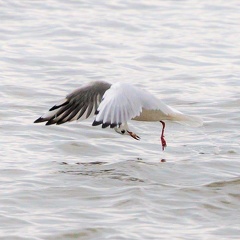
pixel 78 182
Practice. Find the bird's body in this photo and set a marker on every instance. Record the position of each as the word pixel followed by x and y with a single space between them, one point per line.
pixel 114 105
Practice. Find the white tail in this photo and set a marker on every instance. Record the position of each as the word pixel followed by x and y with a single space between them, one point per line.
pixel 187 120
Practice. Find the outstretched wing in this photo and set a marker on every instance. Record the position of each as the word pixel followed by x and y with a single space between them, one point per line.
pixel 123 102
pixel 80 104
pixel 120 103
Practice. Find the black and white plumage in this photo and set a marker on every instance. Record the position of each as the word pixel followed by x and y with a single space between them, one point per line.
pixel 114 105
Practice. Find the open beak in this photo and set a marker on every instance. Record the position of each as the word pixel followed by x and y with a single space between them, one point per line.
pixel 133 135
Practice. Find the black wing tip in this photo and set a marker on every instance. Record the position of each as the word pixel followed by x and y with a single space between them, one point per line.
pixel 96 112
pixel 113 125
pixel 39 120
pixel 96 123
pixel 47 120
pixel 53 108
pixel 60 122
pixel 58 106
pixel 104 125
pixel 50 122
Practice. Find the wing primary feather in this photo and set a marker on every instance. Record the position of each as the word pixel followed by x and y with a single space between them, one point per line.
pixel 64 115
pixel 119 114
pixel 106 124
pixel 96 104
pixel 54 118
pixel 39 120
pixel 113 125
pixel 73 113
pixel 96 123
pixel 50 121
pixel 62 110
pixel 83 110
pixel 58 106
pixel 88 96
pixel 90 108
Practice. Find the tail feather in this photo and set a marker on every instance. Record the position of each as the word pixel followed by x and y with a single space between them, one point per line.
pixel 188 120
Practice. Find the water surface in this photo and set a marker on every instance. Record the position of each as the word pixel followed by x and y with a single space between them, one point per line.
pixel 78 182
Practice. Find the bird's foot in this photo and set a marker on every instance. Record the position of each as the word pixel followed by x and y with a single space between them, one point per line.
pixel 133 135
pixel 163 141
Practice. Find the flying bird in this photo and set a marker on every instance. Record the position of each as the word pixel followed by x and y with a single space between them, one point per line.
pixel 113 106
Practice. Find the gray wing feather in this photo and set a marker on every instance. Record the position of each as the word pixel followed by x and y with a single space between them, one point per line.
pixel 80 104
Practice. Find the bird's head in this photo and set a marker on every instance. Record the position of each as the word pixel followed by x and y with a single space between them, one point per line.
pixel 124 130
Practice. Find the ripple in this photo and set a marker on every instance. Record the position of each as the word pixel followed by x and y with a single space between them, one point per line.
pixel 78 182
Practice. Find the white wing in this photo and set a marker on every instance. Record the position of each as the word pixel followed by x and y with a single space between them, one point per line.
pixel 123 102
pixel 120 103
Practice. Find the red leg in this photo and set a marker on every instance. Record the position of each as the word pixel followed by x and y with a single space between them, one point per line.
pixel 163 141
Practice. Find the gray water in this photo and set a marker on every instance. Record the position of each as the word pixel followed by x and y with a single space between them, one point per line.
pixel 75 181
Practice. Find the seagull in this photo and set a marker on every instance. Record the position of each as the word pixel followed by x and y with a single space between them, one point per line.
pixel 113 106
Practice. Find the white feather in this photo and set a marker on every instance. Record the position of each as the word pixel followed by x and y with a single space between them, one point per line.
pixel 123 102
pixel 120 103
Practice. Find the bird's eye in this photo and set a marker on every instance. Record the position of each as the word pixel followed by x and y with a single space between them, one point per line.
pixel 123 131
